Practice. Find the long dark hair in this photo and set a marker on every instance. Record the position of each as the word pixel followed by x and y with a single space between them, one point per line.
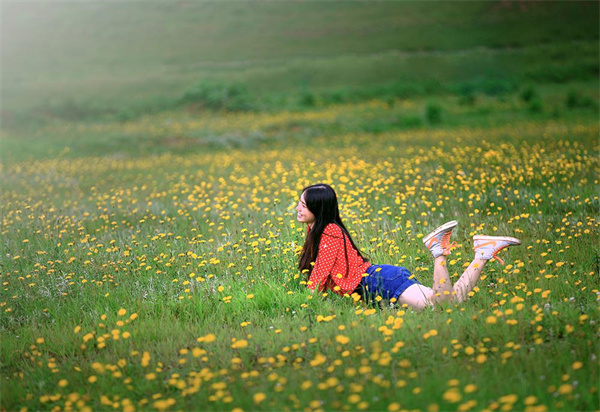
pixel 321 200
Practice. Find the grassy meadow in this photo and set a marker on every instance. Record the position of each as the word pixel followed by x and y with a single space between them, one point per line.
pixel 122 59
pixel 150 249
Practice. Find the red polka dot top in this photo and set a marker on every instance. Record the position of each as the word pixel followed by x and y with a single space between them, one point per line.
pixel 330 271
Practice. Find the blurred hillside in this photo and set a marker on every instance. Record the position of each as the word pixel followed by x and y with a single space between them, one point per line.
pixel 91 60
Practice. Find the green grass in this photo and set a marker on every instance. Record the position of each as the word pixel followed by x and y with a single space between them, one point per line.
pixel 149 245
pixel 200 241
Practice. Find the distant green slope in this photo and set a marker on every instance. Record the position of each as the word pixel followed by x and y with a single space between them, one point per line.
pixel 120 53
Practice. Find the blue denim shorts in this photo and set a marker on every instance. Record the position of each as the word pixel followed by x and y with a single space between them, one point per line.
pixel 386 281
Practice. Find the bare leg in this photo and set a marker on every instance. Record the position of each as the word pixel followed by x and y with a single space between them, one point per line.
pixel 417 296
pixel 442 286
pixel 468 280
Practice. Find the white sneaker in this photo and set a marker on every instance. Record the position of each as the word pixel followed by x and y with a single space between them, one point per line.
pixel 438 241
pixel 486 247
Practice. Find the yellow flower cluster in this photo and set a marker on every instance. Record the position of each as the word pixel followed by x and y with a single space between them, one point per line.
pixel 169 281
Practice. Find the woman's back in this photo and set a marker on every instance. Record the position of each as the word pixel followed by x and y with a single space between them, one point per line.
pixel 338 265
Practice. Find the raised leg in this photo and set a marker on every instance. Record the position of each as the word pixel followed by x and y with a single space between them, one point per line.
pixel 486 248
pixel 418 296
pixel 438 243
pixel 468 280
pixel 442 286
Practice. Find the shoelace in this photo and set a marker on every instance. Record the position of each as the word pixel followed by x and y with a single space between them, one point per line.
pixel 445 243
pixel 496 257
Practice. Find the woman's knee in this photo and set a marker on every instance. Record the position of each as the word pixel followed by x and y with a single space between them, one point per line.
pixel 417 297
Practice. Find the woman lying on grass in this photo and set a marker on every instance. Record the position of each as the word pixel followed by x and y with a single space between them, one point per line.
pixel 340 266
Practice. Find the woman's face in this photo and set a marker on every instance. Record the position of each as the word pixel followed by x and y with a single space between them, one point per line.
pixel 304 215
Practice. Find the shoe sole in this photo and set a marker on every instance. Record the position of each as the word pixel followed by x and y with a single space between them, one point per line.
pixel 510 240
pixel 448 225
